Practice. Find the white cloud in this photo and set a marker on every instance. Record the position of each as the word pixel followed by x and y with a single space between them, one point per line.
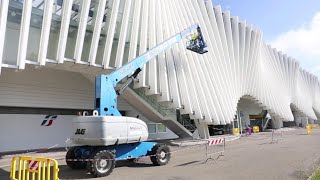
pixel 302 44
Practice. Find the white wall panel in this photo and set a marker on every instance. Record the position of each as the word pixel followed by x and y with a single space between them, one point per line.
pixel 46 88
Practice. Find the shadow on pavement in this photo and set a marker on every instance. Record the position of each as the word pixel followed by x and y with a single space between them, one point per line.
pixel 66 173
pixel 186 164
pixel 4 174
pixel 132 164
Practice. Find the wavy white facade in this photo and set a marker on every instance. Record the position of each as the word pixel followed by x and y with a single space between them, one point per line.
pixel 208 87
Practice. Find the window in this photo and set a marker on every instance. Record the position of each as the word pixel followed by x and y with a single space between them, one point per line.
pixel 152 128
pixel 156 128
pixel 161 128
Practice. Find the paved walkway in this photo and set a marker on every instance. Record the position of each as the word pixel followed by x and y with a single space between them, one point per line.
pixel 253 157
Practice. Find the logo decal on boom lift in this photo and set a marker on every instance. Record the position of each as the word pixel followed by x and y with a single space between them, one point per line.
pixel 80 131
pixel 48 120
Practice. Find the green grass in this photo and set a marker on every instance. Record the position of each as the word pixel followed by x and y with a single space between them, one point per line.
pixel 316 175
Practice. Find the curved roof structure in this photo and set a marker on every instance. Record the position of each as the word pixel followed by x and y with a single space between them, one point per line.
pixel 106 34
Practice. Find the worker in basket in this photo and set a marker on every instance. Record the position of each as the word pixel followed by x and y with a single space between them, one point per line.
pixel 194 38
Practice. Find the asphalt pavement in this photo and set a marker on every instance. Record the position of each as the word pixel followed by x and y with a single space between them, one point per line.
pixel 292 155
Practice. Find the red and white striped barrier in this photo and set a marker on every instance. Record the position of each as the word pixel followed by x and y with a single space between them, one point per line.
pixel 215 141
pixel 33 165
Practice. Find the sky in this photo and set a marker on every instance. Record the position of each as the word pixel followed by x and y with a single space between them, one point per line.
pixel 291 26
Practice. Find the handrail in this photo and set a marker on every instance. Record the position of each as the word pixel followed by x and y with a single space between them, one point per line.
pixel 166 112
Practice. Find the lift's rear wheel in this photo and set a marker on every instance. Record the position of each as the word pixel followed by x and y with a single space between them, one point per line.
pixel 160 155
pixel 102 163
pixel 71 160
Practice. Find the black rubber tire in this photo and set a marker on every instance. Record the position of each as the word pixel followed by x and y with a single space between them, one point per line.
pixel 98 166
pixel 71 162
pixel 160 155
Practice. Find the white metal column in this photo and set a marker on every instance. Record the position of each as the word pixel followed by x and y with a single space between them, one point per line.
pixel 4 5
pixel 110 34
pixel 152 65
pixel 63 36
pixel 135 30
pixel 96 31
pixel 162 64
pixel 83 20
pixel 45 32
pixel 24 34
pixel 123 34
pixel 143 42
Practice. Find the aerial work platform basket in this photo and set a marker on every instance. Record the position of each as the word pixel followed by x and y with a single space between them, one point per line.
pixel 197 43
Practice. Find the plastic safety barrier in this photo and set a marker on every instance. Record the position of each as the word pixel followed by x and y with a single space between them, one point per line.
pixel 215 147
pixel 276 136
pixel 308 127
pixel 33 168
pixel 256 129
pixel 235 131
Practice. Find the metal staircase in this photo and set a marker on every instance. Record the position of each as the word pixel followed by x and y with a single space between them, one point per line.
pixel 155 112
pixel 186 121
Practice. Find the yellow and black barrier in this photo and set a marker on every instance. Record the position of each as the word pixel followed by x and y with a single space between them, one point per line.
pixel 33 168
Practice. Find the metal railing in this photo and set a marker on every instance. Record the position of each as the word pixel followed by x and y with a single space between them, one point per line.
pixel 166 112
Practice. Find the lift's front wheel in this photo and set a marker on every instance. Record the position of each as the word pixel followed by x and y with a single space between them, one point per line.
pixel 160 155
pixel 101 164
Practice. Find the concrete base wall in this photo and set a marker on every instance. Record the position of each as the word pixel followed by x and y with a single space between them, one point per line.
pixel 276 123
pixel 202 129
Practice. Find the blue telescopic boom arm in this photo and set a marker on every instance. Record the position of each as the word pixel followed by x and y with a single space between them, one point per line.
pixel 106 95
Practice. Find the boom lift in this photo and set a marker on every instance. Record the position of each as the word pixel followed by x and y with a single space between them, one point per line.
pixel 107 136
